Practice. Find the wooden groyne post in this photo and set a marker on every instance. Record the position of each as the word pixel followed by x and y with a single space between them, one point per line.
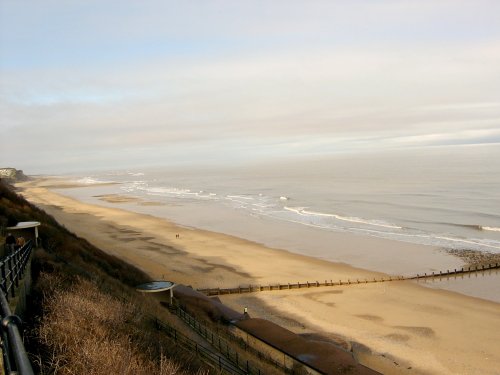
pixel 241 289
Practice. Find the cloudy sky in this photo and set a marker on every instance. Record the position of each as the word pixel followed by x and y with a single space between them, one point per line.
pixel 103 84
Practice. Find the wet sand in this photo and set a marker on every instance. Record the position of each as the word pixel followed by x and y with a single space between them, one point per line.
pixel 397 327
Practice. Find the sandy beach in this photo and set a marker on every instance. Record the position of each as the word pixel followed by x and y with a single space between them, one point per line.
pixel 398 327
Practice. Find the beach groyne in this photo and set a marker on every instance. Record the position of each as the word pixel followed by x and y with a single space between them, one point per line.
pixel 315 284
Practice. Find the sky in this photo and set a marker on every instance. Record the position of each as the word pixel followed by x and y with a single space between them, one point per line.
pixel 121 84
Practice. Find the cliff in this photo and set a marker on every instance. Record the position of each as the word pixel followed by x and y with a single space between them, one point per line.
pixel 12 174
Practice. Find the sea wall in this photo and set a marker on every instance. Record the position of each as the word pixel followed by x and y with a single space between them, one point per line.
pixel 271 352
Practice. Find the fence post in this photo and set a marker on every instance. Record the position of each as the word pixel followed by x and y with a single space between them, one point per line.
pixel 11 266
pixel 4 281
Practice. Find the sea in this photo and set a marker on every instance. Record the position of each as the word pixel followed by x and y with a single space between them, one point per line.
pixel 443 197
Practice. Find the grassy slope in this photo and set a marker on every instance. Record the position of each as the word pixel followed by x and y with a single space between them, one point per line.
pixel 84 315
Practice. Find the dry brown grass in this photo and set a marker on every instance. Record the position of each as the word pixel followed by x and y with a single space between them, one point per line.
pixel 77 321
pixel 85 331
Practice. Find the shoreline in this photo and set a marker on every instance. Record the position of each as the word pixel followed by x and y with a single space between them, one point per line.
pixel 419 327
pixel 363 251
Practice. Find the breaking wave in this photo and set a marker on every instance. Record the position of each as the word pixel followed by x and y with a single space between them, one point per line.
pixel 92 181
pixel 492 229
pixel 277 207
pixel 377 223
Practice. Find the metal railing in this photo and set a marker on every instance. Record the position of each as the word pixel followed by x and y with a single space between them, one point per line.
pixel 12 267
pixel 205 354
pixel 225 348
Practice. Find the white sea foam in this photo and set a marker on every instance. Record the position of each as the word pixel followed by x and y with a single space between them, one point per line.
pixel 264 205
pixel 492 229
pixel 91 181
pixel 475 243
pixel 347 205
pixel 297 210
pixel 239 197
pixel 302 211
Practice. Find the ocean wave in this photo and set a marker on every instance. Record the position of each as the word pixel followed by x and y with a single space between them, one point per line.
pixel 378 223
pixel 264 205
pixel 468 226
pixel 169 191
pixel 92 181
pixel 297 210
pixel 476 227
pixel 236 197
pixel 492 229
pixel 401 233
pixel 142 186
pixel 471 242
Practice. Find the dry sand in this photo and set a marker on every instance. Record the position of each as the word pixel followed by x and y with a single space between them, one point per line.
pixel 399 327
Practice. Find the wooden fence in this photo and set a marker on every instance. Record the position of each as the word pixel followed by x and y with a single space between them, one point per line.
pixel 260 288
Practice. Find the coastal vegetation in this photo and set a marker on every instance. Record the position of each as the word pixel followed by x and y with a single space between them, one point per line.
pixel 84 316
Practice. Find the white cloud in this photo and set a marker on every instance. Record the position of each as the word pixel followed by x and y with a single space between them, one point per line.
pixel 277 77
